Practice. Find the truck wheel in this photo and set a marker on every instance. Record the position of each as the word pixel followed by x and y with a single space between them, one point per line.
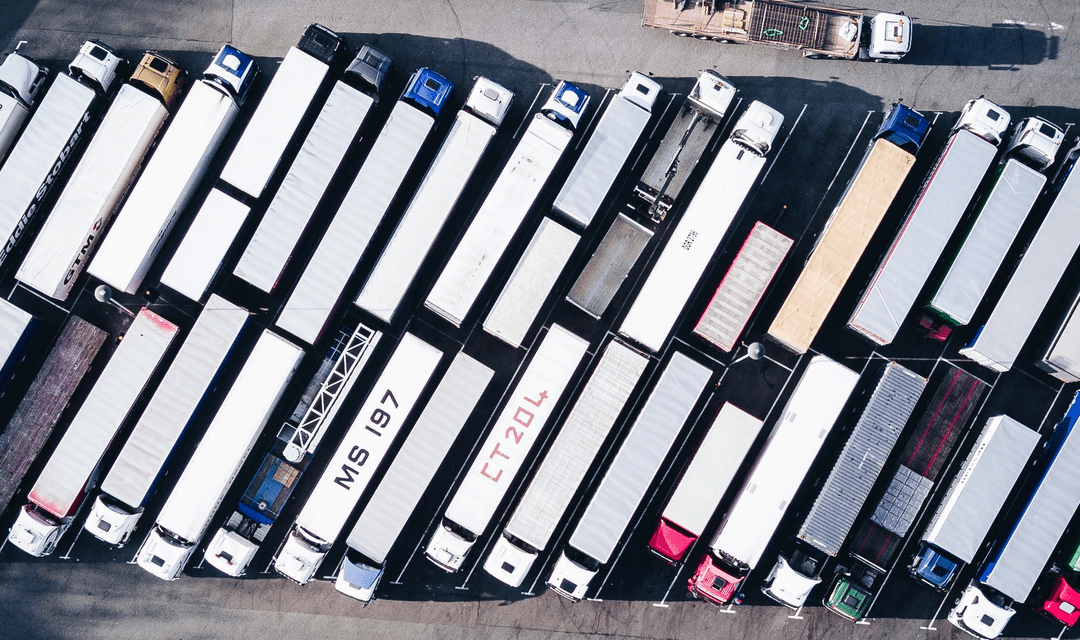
pixel 813 56
pixel 681 34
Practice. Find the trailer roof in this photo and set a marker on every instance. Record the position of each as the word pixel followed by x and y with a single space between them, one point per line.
pixel 609 265
pixel 199 256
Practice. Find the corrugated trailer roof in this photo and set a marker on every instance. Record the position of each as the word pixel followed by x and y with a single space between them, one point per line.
pixel 609 265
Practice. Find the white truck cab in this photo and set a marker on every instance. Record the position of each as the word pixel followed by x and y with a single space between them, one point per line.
pixel 1037 141
pixel 714 92
pixel 21 80
pixel 787 586
pixel 978 615
pixel 357 579
pixel 985 119
pixel 890 36
pixel 230 553
pixel 448 548
pixel 162 555
pixel 757 128
pixel 508 562
pixel 35 532
pixel 111 522
pixel 299 557
pixel 96 63
pixel 641 90
pixel 489 100
pixel 571 579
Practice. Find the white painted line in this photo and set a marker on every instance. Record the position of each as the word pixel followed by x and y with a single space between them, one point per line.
pixel 783 144
pixel 730 121
pixel 844 161
pixel 864 622
pixel 661 118
pixel 1050 408
pixel 67 556
pixel 1063 630
pixel 730 609
pixel 19 285
pixel 594 599
pixel 796 616
pixel 593 120
pixel 4 543
pixel 930 624
pixel 528 114
pixel 937 114
pixel 662 605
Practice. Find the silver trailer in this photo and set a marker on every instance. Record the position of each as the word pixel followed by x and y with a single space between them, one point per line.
pixel 626 481
pixel 1062 357
pixel 606 152
pixel 351 100
pixel 474 127
pixel 21 80
pixel 16 328
pixel 198 258
pixel 320 286
pixel 609 265
pixel 563 469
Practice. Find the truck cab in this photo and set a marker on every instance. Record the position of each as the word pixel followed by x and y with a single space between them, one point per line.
pixel 449 545
pixel 980 613
pixel 322 44
pixel 427 91
pixel 904 127
pixel 670 542
pixel 1035 142
pixel 1061 602
pixel 510 560
pixel 160 77
pixel 985 119
pixel 301 555
pixel 358 577
pixel 110 521
pixel 370 68
pixel 791 581
pixel 572 573
pixel 716 582
pixel 890 36
pixel 934 568
pixel 712 93
pixel 757 128
pixel 96 65
pixel 21 79
pixel 851 593
pixel 233 72
pixel 641 90
pixel 163 555
pixel 36 532
pixel 489 101
pixel 230 553
pixel 566 105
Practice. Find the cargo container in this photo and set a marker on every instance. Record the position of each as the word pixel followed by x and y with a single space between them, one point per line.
pixel 516 429
pixel 191 376
pixel 103 176
pixel 21 81
pixel 320 286
pixel 341 119
pixel 609 511
pixel 384 518
pixel 545 501
pixel 397 267
pixel 1061 359
pixel 223 449
pixel 198 258
pixel 71 472
pixel 17 327
pixel 751 520
pixel 609 265
pixel 867 198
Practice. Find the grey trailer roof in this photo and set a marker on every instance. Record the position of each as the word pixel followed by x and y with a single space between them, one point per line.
pixel 609 265
pixel 104 410
pixel 1041 524
pixel 1063 355
pixel 639 457
pixel 1032 284
pixel 415 464
pixel 344 242
pixel 861 461
pixel 981 487
pixel 14 325
pixel 579 440
pixel 303 187
pixel 274 122
pixel 929 225
pixel 174 403
pixel 1003 211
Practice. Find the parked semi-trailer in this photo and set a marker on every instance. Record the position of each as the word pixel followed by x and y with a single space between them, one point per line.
pixel 527 410
pixel 398 264
pixel 867 198
pixel 817 31
pixel 48 395
pixel 701 228
pixel 354 463
pixel 930 222
pixel 1018 557
pixel 253 161
pixel 506 204
pixel 133 476
pixel 1061 358
pixel 704 482
pixel 384 518
pixel 800 567
pixel 234 545
pixel 999 341
pixel 56 132
pixel 340 121
pixel 609 146
pixel 609 265
pixel 1000 213
pixel 751 520
pixel 743 286
pixel 71 471
pixel 174 171
pixel 545 501
pixel 602 525
pixel 17 327
pixel 973 501
pixel 20 81
pixel 223 449
pixel 875 546
pixel 103 176
pixel 320 286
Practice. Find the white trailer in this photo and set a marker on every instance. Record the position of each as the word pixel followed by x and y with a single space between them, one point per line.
pixel 384 518
pixel 606 152
pixel 506 205
pixel 527 410
pixel 338 124
pixel 320 286
pixel 1062 357
pixel 999 217
pixel 102 178
pixel 998 342
pixel 704 481
pixel 16 328
pixel 640 455
pixel 609 265
pixel 548 496
pixel 702 226
pixel 474 127
pixel 220 454
pixel 191 375
pixel 174 171
pixel 21 79
pixel 752 519
pixel 533 277
pixel 71 471
pixel 743 286
pixel 930 222
pixel 56 132
pixel 199 256
pixel 354 463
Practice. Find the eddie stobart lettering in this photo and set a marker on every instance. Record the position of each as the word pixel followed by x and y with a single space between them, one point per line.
pixel 378 421
pixel 523 416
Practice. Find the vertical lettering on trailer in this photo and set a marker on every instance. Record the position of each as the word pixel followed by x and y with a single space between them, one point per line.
pixel 523 417
pixel 379 418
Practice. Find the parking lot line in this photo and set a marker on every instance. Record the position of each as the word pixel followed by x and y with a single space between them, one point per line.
pixel 529 111
pixel 783 144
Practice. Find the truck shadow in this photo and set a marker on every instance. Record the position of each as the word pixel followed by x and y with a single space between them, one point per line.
pixel 1000 46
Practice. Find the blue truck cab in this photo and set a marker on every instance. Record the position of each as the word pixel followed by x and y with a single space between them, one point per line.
pixel 233 72
pixel 566 105
pixel 934 568
pixel 427 91
pixel 904 127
